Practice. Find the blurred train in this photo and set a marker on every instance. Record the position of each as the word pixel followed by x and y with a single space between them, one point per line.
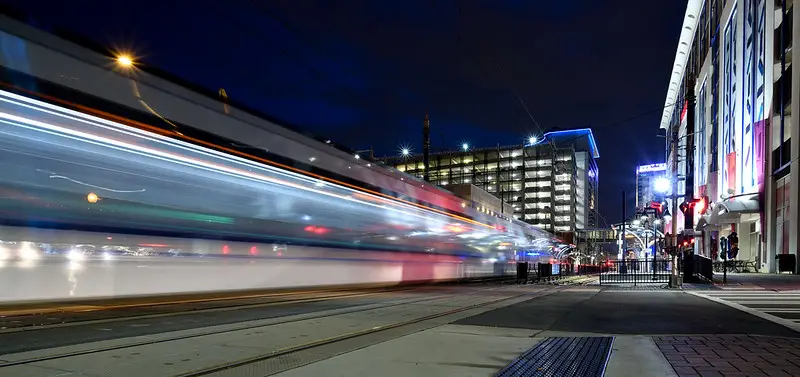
pixel 105 165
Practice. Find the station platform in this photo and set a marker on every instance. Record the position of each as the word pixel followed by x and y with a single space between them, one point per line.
pixel 487 330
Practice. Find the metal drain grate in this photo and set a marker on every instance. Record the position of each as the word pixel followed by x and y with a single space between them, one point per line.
pixel 563 357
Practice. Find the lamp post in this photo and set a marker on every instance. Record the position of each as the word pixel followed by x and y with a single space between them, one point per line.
pixel 655 244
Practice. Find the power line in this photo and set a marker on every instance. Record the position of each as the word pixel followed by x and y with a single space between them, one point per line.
pixel 480 64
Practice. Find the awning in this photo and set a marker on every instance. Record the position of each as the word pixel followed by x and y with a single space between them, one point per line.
pixel 729 211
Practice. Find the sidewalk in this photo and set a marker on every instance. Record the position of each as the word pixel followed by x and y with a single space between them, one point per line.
pixel 731 355
pixel 754 281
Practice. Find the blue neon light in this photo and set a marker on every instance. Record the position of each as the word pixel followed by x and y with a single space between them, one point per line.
pixel 587 131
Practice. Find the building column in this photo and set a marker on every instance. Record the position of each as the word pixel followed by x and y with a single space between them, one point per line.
pixel 768 233
pixel 794 199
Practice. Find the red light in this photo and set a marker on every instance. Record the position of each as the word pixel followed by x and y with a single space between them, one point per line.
pixel 702 204
pixel 691 240
pixel 253 250
pixel 316 229
pixel 226 249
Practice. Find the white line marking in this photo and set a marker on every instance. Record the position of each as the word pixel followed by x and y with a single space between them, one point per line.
pixel 769 317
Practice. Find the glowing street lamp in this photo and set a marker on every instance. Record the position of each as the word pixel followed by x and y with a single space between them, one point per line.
pixel 92 198
pixel 124 61
pixel 532 140
pixel 465 147
pixel 661 185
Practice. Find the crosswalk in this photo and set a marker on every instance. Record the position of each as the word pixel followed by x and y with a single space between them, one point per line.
pixel 784 305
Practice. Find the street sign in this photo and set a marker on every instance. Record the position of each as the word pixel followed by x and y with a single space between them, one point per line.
pixel 650 211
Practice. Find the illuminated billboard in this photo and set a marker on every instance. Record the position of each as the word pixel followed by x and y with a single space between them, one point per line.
pixel 651 167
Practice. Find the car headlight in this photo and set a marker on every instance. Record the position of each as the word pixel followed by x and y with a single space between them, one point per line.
pixel 75 255
pixel 27 252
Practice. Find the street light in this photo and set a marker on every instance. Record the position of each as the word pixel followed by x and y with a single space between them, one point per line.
pixel 405 152
pixel 465 147
pixel 667 216
pixel 532 140
pixel 661 185
pixel 124 61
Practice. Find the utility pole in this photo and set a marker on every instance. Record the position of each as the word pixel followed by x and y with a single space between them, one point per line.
pixel 622 248
pixel 673 147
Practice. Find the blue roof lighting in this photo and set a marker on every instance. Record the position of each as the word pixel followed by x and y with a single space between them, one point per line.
pixel 575 133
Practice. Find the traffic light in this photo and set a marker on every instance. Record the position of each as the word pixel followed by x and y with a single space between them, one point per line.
pixel 686 208
pixel 658 207
pixel 702 204
pixel 690 206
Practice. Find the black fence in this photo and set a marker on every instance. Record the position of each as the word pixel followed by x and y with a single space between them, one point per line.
pixel 635 272
pixel 543 271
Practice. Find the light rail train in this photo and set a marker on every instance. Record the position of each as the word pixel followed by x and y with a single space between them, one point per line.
pixel 140 203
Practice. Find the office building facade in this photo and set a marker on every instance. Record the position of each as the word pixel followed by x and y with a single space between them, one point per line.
pixel 731 106
pixel 646 178
pixel 551 183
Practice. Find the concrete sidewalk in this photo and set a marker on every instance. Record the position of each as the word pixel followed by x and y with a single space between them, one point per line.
pixel 465 350
pixel 772 282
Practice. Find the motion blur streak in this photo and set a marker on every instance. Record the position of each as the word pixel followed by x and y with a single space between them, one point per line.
pixel 121 211
pixel 376 196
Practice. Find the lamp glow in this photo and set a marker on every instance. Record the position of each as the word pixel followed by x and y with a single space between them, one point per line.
pixel 661 185
pixel 124 61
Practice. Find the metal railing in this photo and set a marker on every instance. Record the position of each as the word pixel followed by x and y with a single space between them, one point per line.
pixel 635 272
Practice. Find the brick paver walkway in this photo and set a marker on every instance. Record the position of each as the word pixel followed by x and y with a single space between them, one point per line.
pixel 731 355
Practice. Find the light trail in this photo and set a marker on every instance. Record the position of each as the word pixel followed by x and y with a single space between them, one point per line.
pixel 106 142
pixel 249 158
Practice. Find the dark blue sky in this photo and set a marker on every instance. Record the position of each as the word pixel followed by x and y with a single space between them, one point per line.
pixel 364 72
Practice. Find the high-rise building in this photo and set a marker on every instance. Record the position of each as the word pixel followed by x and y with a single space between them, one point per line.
pixel 646 177
pixel 550 182
pixel 731 111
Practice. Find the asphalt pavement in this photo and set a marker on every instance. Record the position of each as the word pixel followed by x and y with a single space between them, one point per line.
pixel 627 312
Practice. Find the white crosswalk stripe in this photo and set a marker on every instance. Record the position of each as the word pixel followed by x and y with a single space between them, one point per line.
pixel 784 305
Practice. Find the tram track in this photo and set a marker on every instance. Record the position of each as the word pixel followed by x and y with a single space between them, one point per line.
pixel 222 329
pixel 132 317
pixel 15 320
pixel 233 367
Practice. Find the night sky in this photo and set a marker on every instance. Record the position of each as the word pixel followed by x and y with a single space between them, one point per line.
pixel 363 73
